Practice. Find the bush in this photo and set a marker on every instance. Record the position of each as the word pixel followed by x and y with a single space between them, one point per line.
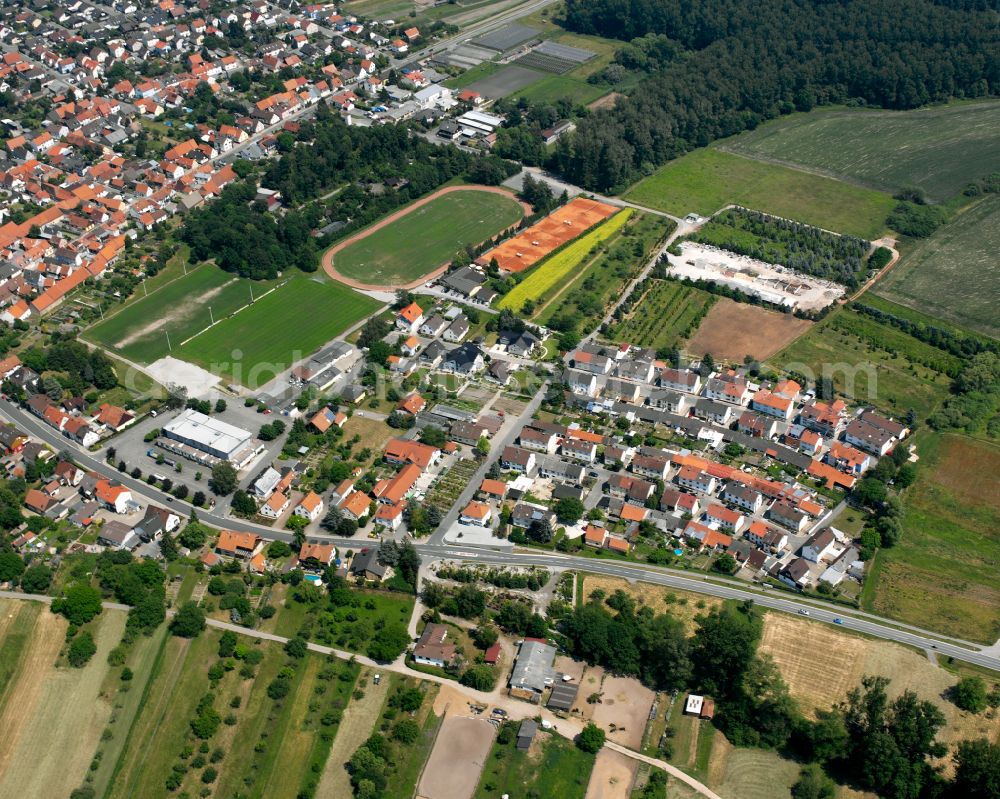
pixel 81 650
pixel 591 739
pixel 970 694
pixel 189 621
pixel 279 688
pixel 480 678
pixel 406 731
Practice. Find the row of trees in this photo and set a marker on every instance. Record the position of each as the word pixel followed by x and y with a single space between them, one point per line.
pixel 728 66
pixel 948 340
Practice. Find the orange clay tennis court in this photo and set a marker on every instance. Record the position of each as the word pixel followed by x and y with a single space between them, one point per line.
pixel 530 246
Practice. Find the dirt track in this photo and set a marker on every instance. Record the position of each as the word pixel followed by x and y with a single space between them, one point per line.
pixel 340 245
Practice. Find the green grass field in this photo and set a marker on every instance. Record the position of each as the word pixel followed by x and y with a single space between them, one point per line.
pixel 289 323
pixel 562 770
pixel 15 640
pixel 908 373
pixel 555 87
pixel 939 150
pixel 178 308
pixel 705 180
pixel 942 573
pixel 667 314
pixel 953 274
pixel 427 237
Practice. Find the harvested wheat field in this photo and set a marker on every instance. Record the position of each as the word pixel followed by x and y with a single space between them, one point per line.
pixel 63 707
pixel 912 671
pixel 612 776
pixel 682 605
pixel 458 757
pixel 822 668
pixel 828 663
pixel 732 330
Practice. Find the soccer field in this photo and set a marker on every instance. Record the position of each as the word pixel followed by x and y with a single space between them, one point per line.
pixel 177 309
pixel 705 180
pixel 288 324
pixel 403 248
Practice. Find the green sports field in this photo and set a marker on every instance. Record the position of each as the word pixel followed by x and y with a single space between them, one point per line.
pixel 427 237
pixel 939 150
pixel 178 309
pixel 288 324
pixel 953 274
pixel 705 180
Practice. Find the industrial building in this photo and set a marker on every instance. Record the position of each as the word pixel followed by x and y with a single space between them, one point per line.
pixel 212 437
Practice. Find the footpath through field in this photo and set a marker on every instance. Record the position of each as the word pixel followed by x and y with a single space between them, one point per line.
pixel 404 211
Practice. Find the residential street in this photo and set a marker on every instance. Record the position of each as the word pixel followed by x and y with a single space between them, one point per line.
pixel 869 624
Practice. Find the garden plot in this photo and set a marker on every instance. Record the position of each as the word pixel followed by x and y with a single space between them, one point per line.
pixel 771 282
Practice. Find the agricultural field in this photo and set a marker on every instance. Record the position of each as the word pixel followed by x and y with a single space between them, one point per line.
pixel 553 766
pixel 952 274
pixel 178 308
pixel 164 749
pixel 942 573
pixel 706 180
pixel 732 330
pixel 872 362
pixel 666 315
pixel 419 239
pixel 939 149
pixel 65 707
pixel 750 773
pixel 270 334
pixel 602 280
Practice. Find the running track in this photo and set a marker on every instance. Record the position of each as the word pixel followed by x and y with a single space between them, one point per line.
pixel 340 245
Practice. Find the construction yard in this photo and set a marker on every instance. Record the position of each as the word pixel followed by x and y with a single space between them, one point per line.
pixel 773 283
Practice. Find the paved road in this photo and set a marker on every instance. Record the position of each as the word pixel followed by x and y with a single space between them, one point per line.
pixel 856 621
pixel 869 624
pixel 505 438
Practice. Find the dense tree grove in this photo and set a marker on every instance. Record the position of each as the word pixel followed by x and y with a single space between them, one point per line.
pixel 243 237
pixel 724 66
